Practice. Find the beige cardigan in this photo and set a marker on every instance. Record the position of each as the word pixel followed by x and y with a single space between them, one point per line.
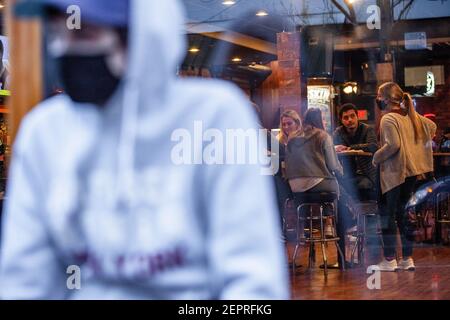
pixel 400 157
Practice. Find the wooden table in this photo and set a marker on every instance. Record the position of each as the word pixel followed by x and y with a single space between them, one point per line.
pixel 441 154
pixel 354 153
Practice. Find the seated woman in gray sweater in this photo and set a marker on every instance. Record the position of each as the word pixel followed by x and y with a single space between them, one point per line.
pixel 311 161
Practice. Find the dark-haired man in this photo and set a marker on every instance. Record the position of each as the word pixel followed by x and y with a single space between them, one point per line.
pixel 355 135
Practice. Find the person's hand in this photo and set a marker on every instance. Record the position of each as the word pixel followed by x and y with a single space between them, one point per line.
pixel 374 163
pixel 341 148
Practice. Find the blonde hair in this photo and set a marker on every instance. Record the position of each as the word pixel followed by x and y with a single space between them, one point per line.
pixel 294 116
pixel 393 93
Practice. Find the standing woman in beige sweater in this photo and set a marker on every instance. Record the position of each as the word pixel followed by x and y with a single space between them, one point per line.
pixel 406 153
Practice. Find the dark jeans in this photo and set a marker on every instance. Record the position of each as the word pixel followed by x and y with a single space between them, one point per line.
pixel 392 211
pixel 283 193
pixel 360 187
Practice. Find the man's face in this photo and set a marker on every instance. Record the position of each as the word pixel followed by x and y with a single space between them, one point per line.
pixel 350 120
pixel 90 62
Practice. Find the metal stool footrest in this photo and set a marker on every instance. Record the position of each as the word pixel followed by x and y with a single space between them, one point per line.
pixel 326 202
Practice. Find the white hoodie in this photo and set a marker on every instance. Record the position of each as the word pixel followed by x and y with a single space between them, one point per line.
pixel 99 189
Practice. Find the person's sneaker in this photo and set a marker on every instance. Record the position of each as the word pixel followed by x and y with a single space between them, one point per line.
pixel 389 266
pixel 407 264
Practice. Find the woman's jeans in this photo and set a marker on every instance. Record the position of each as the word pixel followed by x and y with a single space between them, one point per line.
pixel 392 211
pixel 283 193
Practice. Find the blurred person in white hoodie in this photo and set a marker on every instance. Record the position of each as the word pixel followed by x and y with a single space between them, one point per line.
pixel 94 184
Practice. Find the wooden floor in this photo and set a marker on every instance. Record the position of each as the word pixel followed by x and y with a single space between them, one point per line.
pixel 430 281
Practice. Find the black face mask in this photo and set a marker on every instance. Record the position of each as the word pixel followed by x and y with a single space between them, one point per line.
pixel 381 104
pixel 87 79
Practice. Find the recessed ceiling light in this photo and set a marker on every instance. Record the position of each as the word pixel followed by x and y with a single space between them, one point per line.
pixel 228 2
pixel 262 13
pixel 2 6
pixel 236 59
pixel 194 50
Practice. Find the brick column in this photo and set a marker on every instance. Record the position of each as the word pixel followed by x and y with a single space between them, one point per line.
pixel 290 84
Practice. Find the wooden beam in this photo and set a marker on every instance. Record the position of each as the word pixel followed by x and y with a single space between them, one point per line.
pixel 236 38
pixel 346 43
pixel 25 67
pixel 244 41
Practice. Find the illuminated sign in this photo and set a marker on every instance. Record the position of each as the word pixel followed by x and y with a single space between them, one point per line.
pixel 320 97
pixel 363 115
pixel 431 83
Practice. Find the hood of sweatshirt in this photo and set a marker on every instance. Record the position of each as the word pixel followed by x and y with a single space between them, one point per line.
pixel 113 198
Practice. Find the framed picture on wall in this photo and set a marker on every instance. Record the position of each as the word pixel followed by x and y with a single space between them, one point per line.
pixel 321 97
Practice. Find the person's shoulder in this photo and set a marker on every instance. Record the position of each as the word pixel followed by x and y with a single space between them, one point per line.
pixel 217 99
pixel 426 120
pixel 46 117
pixel 322 135
pixel 390 118
pixel 367 127
pixel 339 131
pixel 46 113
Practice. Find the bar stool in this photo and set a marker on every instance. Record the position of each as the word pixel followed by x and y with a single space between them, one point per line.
pixel 366 209
pixel 327 204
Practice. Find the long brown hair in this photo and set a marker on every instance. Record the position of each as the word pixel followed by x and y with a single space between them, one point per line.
pixel 313 118
pixel 393 93
pixel 294 116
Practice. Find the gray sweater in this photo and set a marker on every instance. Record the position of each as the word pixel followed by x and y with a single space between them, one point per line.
pixel 312 155
pixel 400 156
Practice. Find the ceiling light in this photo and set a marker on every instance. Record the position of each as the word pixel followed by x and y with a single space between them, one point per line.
pixel 228 2
pixel 262 13
pixel 236 59
pixel 350 87
pixel 194 50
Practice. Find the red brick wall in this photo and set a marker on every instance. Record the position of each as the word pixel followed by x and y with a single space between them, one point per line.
pixel 270 97
pixel 283 89
pixel 288 47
